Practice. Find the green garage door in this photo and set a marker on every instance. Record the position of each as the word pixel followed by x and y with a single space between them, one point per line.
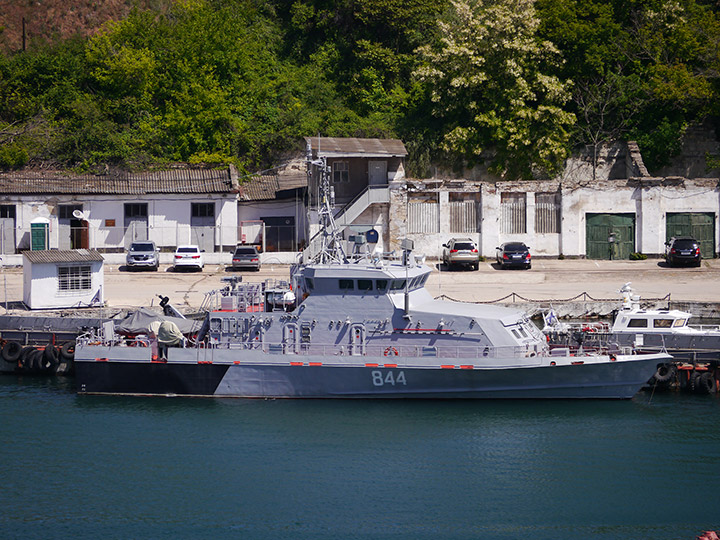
pixel 599 228
pixel 699 225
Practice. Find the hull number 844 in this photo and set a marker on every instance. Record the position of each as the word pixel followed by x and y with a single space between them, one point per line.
pixel 390 378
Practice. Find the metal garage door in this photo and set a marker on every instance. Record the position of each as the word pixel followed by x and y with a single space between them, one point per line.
pixel 699 225
pixel 599 229
pixel 202 226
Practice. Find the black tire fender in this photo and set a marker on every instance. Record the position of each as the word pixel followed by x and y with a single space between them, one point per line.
pixel 67 352
pixel 664 372
pixel 24 360
pixel 12 351
pixel 50 355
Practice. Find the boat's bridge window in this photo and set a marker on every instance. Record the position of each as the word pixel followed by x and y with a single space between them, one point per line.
pixel 381 284
pixel 662 323
pixel 397 284
pixel 679 322
pixel 347 284
pixel 309 283
pixel 365 284
pixel 638 323
pixel 516 333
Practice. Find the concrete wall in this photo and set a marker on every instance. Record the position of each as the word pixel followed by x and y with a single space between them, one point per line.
pixel 40 286
pixel 648 199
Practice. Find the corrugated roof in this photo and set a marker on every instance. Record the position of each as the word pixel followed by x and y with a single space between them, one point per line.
pixel 119 183
pixel 350 146
pixel 259 188
pixel 63 256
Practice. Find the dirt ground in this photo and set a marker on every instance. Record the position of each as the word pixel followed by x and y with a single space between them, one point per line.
pixel 549 279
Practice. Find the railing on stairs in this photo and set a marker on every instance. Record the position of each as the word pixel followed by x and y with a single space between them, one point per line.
pixel 373 194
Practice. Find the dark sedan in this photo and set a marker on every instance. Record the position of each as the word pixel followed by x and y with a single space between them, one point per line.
pixel 513 254
pixel 682 250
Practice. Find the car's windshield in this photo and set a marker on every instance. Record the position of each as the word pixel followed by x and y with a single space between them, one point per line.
pixel 141 247
pixel 245 251
pixel 684 244
pixel 187 250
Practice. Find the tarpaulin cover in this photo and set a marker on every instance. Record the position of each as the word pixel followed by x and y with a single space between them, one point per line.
pixel 141 321
pixel 169 333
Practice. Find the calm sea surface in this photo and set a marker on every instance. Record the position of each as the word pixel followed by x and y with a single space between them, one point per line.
pixel 100 467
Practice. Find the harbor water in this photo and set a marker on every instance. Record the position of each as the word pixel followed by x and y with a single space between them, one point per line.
pixel 121 467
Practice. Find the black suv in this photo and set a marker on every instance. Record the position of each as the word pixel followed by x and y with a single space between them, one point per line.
pixel 682 250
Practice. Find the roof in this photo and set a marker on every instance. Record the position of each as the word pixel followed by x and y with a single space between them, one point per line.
pixel 49 256
pixel 352 147
pixel 175 181
pixel 266 187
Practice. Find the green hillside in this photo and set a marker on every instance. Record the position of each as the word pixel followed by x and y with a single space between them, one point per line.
pixel 518 82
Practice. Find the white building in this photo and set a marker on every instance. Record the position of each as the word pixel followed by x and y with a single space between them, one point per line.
pixel 62 278
pixel 108 212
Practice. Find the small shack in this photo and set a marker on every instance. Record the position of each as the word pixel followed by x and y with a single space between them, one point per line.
pixel 62 278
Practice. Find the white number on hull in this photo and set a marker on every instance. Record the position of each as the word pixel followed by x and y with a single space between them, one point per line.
pixel 390 378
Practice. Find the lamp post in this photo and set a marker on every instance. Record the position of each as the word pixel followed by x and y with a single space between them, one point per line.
pixel 611 241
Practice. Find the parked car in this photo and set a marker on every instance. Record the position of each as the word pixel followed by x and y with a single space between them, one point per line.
pixel 682 250
pixel 513 254
pixel 143 254
pixel 461 252
pixel 188 257
pixel 246 257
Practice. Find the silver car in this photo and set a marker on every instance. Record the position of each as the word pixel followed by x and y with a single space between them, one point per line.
pixel 143 254
pixel 246 257
pixel 461 252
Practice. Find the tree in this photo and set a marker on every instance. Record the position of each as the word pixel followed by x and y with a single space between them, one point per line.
pixel 490 84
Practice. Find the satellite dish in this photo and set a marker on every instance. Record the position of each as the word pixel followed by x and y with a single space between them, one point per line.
pixel 78 214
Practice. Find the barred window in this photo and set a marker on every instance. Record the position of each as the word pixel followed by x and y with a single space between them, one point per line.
pixel 74 278
pixel 464 213
pixel 423 213
pixel 547 212
pixel 514 218
pixel 136 210
pixel 202 209
pixel 341 172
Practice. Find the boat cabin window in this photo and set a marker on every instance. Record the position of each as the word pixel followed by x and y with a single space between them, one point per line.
pixel 381 284
pixel 309 284
pixel 679 322
pixel 347 284
pixel 522 332
pixel 516 333
pixel 638 323
pixel 397 284
pixel 415 282
pixel 365 285
pixel 662 323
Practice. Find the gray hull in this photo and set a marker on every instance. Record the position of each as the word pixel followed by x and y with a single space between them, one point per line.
pixel 191 372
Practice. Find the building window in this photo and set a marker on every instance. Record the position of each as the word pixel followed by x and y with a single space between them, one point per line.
pixel 7 211
pixel 65 211
pixel 423 213
pixel 135 210
pixel 341 172
pixel 513 207
pixel 547 212
pixel 202 210
pixel 464 213
pixel 74 278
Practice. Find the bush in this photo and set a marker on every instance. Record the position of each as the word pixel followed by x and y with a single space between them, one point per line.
pixel 638 257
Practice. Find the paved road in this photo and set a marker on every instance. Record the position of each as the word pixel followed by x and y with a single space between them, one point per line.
pixel 549 279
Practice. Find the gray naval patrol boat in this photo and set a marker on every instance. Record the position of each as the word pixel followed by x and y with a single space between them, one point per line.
pixel 356 326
